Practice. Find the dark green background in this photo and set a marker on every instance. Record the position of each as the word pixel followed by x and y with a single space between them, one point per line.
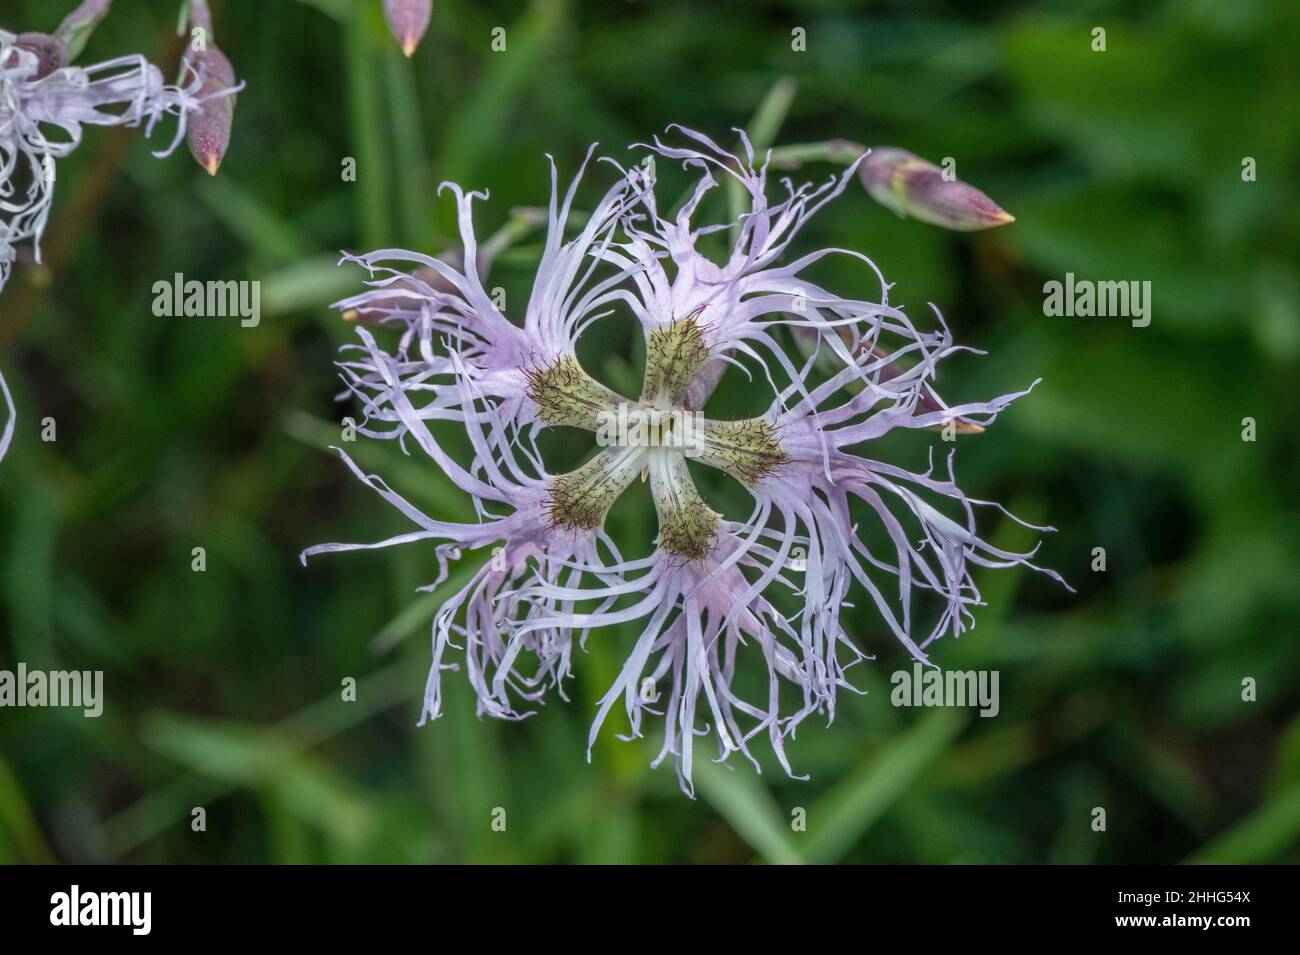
pixel 223 687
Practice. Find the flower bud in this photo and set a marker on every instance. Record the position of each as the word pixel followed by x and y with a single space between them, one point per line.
pixel 208 131
pixel 910 186
pixel 408 19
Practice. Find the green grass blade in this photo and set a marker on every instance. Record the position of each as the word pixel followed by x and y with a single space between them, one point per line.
pixel 840 818
pixel 744 802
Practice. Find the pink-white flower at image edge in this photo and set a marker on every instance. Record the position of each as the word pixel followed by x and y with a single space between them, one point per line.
pixel 44 106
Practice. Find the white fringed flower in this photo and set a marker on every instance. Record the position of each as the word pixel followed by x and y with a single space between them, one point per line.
pixel 43 107
pixel 41 120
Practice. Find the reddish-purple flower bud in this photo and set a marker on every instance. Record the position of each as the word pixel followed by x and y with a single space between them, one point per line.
pixel 911 186
pixel 408 19
pixel 208 132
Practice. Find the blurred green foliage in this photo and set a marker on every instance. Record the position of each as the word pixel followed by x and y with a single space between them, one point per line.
pixel 223 687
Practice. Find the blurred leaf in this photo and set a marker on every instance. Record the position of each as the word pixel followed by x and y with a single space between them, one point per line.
pixel 242 755
pixel 837 820
pixel 16 814
pixel 408 151
pixel 374 205
pixel 1259 838
pixel 744 802
pixel 310 283
pixel 481 123
pixel 262 230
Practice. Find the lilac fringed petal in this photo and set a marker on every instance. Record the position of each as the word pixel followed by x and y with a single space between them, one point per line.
pixel 739 300
pixel 811 491
pixel 441 306
pixel 700 618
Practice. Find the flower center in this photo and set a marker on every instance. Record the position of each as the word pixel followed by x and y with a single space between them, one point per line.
pixel 652 437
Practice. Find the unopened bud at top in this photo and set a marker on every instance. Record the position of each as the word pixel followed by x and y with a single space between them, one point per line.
pixel 408 19
pixel 910 186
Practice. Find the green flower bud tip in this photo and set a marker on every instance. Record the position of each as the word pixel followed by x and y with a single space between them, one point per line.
pixel 911 186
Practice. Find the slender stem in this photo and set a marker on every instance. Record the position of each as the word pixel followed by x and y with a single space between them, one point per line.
pixel 838 151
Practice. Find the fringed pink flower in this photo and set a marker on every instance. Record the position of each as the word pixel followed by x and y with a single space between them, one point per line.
pixel 716 596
